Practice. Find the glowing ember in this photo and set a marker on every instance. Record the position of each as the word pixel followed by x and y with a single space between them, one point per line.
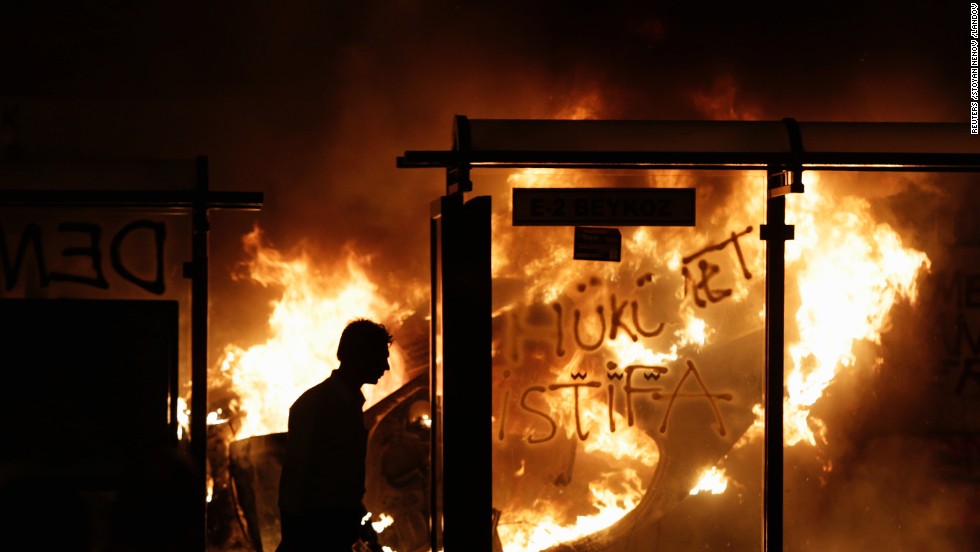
pixel 214 418
pixel 850 271
pixel 384 521
pixel 712 481
pixel 695 332
pixel 183 418
pixel 755 431
pixel 306 324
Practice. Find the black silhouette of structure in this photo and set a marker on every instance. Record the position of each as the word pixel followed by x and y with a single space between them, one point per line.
pixel 119 366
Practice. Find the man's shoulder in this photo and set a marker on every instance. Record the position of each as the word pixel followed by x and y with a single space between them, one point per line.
pixel 327 390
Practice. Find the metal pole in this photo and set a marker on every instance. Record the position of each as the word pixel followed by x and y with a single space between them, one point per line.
pixel 775 232
pixel 199 346
pixel 435 396
pixel 467 480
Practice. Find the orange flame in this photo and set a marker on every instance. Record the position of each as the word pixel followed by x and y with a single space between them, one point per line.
pixel 850 271
pixel 306 323
pixel 547 276
pixel 712 481
pixel 613 496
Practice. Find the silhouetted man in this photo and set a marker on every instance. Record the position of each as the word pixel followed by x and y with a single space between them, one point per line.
pixel 322 484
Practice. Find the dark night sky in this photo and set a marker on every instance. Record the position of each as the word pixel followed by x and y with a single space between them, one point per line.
pixel 310 102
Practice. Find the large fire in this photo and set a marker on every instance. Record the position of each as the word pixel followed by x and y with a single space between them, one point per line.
pixel 305 327
pixel 574 457
pixel 849 269
pixel 621 456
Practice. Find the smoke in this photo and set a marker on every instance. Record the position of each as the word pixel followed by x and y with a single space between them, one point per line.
pixel 311 102
pixel 885 478
pixel 888 496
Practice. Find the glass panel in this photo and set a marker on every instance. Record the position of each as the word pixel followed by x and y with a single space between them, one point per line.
pixel 627 395
pixel 883 377
pixel 100 254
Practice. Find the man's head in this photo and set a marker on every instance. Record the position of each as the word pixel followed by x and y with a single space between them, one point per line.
pixel 363 350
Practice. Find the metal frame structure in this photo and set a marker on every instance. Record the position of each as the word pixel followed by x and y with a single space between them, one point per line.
pixel 462 483
pixel 776 147
pixel 198 203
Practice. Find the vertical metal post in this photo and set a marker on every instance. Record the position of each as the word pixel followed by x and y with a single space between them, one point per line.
pixel 466 509
pixel 435 377
pixel 199 345
pixel 775 232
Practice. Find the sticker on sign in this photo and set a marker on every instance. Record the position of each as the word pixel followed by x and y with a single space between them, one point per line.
pixel 598 244
pixel 604 207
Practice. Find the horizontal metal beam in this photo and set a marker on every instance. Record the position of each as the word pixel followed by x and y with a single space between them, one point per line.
pixel 711 145
pixel 822 161
pixel 180 200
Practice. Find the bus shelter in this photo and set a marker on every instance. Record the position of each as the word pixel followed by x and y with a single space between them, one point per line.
pixel 627 314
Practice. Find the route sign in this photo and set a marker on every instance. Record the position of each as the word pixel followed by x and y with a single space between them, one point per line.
pixel 604 207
